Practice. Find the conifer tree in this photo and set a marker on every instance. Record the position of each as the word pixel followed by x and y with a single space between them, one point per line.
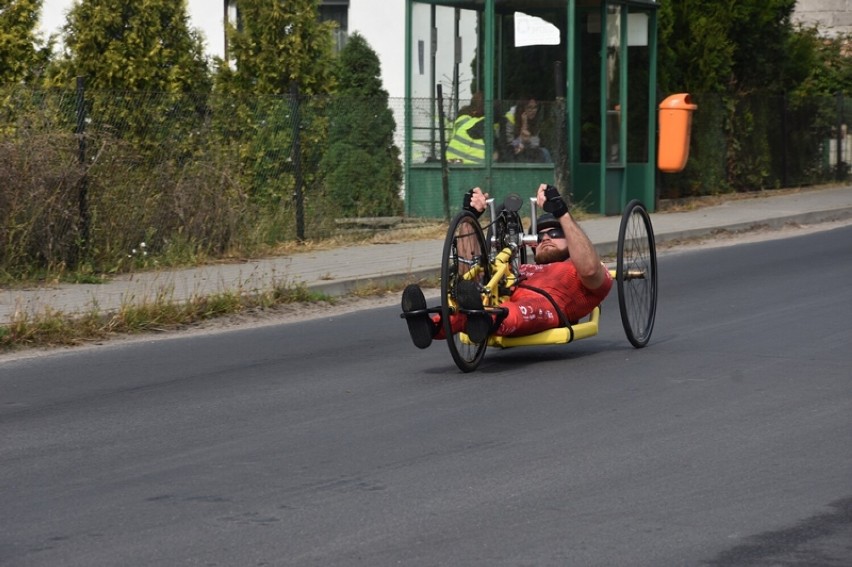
pixel 728 46
pixel 276 44
pixel 133 45
pixel 125 49
pixel 274 47
pixel 362 168
pixel 733 49
pixel 22 55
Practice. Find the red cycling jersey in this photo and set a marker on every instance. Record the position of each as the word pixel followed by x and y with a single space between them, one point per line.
pixel 530 311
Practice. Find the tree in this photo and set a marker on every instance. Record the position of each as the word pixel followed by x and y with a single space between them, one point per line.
pixel 362 166
pixel 145 97
pixel 143 65
pixel 275 47
pixel 133 45
pixel 22 55
pixel 725 46
pixel 276 44
pixel 823 64
pixel 737 52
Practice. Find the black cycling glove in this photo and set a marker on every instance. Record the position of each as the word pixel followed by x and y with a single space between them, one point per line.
pixel 468 207
pixel 554 203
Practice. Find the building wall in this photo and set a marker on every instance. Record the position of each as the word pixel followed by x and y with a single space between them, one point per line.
pixel 832 17
pixel 382 24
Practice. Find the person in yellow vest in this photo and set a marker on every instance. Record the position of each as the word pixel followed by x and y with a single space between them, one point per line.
pixel 467 141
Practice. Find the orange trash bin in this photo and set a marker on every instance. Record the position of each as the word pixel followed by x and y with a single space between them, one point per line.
pixel 675 130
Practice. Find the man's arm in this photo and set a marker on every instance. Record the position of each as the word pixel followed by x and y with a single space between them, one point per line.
pixel 585 257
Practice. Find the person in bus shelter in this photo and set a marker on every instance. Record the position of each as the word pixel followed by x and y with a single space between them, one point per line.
pixel 467 140
pixel 523 128
pixel 567 275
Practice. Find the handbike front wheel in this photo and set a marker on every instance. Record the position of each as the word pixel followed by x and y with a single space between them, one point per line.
pixel 636 274
pixel 465 258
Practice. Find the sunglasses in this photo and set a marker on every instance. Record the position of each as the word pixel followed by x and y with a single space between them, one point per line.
pixel 552 233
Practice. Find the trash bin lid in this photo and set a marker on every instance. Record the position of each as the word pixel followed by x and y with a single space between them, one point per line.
pixel 682 101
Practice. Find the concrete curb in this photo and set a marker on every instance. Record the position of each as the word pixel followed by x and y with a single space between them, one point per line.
pixel 349 286
pixel 812 217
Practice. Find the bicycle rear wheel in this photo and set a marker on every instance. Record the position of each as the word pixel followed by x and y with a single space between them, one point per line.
pixel 636 274
pixel 465 258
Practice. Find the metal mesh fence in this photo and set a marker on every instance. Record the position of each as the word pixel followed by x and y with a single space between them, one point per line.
pixel 111 181
pixel 114 181
pixel 763 142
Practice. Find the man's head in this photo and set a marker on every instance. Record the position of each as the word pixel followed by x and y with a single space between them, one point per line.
pixel 552 244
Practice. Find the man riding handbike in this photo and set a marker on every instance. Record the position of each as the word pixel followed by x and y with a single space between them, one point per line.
pixel 565 284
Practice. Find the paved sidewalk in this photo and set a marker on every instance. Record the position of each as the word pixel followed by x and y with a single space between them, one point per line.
pixel 337 272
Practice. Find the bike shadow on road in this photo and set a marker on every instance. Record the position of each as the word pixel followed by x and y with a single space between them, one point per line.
pixel 518 360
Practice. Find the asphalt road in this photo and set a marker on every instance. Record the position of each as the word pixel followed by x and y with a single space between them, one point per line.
pixel 728 441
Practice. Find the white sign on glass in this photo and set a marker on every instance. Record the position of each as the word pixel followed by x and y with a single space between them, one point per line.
pixel 530 30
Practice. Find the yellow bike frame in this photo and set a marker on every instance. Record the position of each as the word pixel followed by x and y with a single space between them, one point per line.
pixel 502 273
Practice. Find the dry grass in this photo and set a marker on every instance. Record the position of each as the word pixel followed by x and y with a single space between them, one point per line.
pixel 53 328
pixel 694 203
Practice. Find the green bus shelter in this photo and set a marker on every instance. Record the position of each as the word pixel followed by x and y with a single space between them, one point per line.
pixel 588 65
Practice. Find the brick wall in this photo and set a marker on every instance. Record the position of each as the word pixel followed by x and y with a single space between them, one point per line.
pixel 831 16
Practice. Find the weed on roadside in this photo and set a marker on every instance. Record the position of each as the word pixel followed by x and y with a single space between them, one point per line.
pixel 52 328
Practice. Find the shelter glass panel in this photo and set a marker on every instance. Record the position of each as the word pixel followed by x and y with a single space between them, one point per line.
pixel 589 82
pixel 445 41
pixel 613 85
pixel 639 85
pixel 530 49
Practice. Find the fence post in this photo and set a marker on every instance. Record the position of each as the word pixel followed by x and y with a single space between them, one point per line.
pixel 562 175
pixel 296 156
pixel 840 168
pixel 83 197
pixel 445 183
pixel 785 149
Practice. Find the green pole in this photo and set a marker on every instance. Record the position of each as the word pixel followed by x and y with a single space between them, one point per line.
pixel 488 77
pixel 651 194
pixel 445 180
pixel 406 177
pixel 571 93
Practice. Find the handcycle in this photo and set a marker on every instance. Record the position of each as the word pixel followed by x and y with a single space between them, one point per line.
pixel 491 260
